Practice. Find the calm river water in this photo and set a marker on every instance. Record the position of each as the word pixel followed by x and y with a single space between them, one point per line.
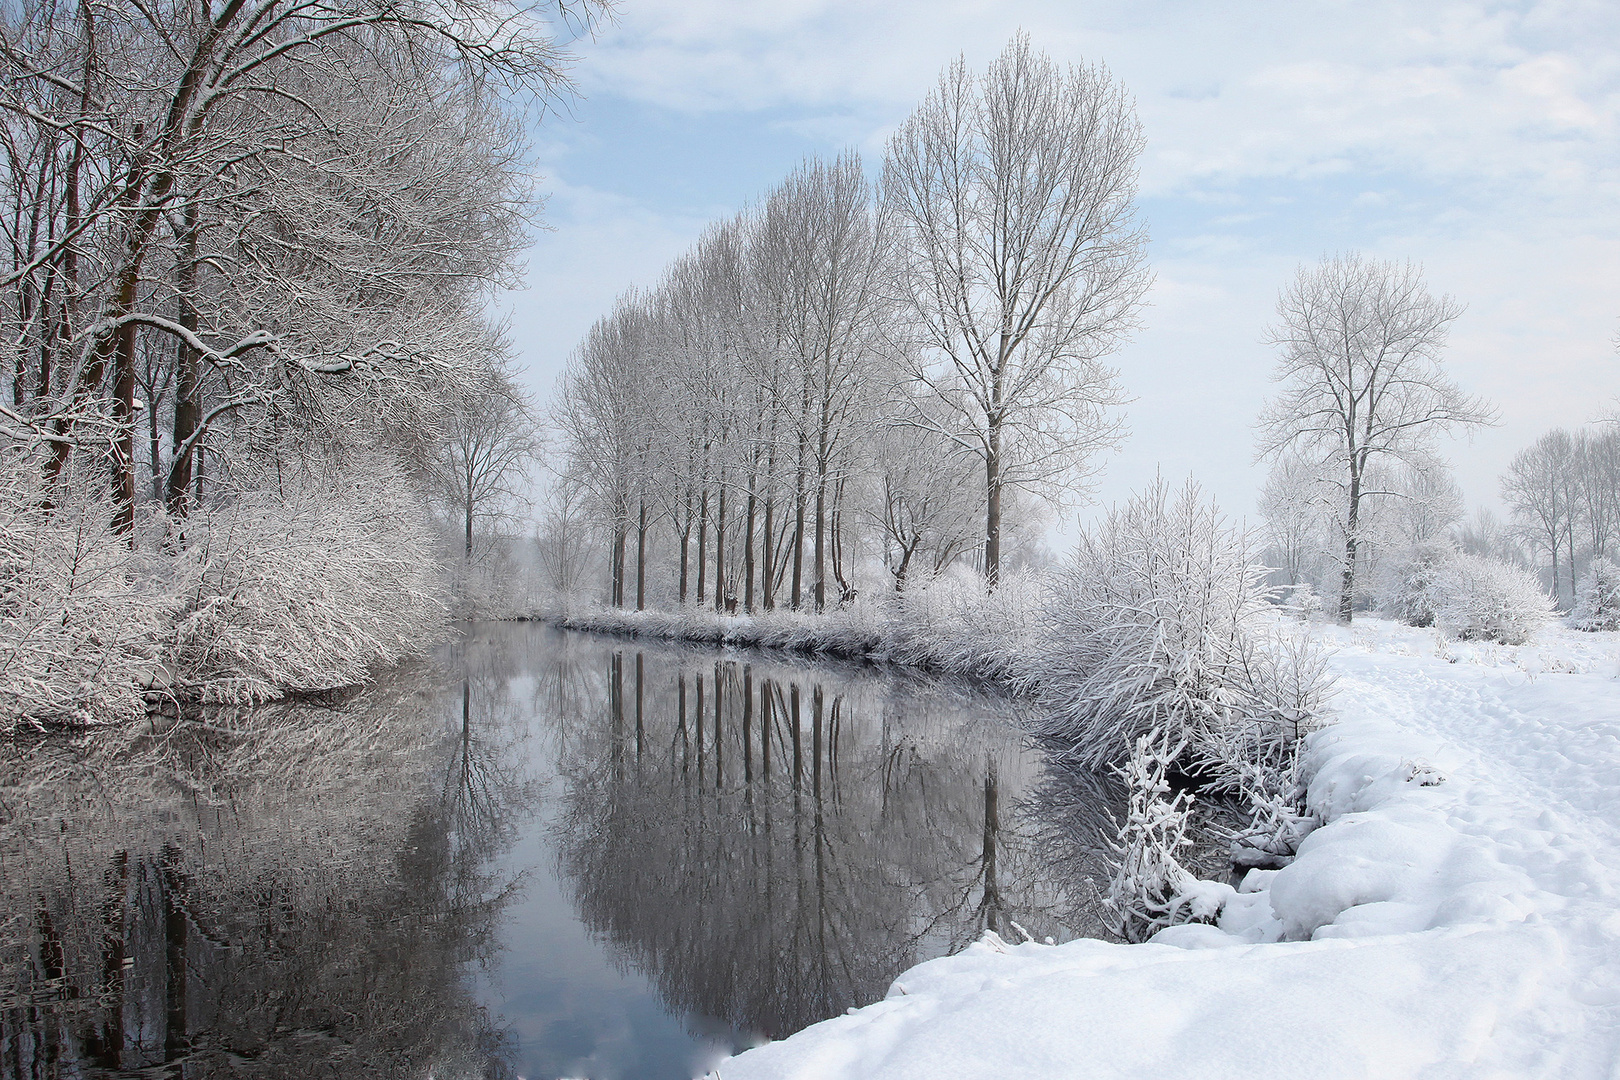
pixel 548 855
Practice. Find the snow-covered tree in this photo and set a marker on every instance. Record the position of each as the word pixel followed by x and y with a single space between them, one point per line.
pixel 1540 488
pixel 1362 381
pixel 1022 262
pixel 490 441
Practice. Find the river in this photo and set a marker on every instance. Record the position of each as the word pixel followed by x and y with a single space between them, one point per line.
pixel 547 854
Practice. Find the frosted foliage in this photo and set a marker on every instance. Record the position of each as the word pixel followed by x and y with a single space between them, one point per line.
pixel 1410 588
pixel 1150 888
pixel 309 591
pixel 1490 600
pixel 954 624
pixel 1159 621
pixel 1597 598
pixel 76 631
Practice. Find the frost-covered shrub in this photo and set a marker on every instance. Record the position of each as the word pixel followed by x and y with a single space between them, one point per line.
pixel 1597 598
pixel 955 623
pixel 308 590
pixel 1410 588
pixel 1490 600
pixel 1302 601
pixel 1151 889
pixel 1160 622
pixel 77 626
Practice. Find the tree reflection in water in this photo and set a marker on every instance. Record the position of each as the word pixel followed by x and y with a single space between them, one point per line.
pixel 727 846
pixel 292 891
pixel 771 844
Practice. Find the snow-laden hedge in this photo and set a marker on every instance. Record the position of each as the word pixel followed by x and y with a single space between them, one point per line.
pixel 305 591
pixel 951 624
pixel 1160 623
pixel 78 629
pixel 1490 600
pixel 1597 598
pixel 266 594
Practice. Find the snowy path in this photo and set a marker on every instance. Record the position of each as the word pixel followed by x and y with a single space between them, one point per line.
pixel 1458 915
pixel 1553 739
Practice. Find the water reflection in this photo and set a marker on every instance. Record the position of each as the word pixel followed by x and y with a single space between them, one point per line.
pixel 772 844
pixel 550 855
pixel 281 893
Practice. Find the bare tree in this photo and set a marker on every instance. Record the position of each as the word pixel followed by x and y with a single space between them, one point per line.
pixel 1021 258
pixel 1597 466
pixel 1362 381
pixel 491 440
pixel 601 410
pixel 926 504
pixel 1294 504
pixel 821 251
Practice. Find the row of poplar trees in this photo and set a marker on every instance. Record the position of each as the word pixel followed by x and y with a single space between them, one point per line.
pixel 933 337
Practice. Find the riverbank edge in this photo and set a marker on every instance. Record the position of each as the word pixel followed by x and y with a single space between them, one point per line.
pixel 866 634
pixel 1399 945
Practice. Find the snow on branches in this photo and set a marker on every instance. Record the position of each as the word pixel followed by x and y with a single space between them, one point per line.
pixel 1160 621
pixel 1597 598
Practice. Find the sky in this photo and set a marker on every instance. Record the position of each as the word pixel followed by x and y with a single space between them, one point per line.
pixel 1476 139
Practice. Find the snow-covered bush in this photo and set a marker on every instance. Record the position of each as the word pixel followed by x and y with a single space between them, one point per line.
pixel 1410 587
pixel 955 623
pixel 1150 888
pixel 1160 621
pixel 1597 598
pixel 77 629
pixel 1490 600
pixel 1302 601
pixel 306 591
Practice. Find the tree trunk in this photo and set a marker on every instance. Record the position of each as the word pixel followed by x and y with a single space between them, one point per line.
pixel 767 550
pixel 992 508
pixel 187 377
pixel 703 543
pixel 641 566
pixel 1347 583
pixel 686 547
pixel 155 447
pixel 748 545
pixel 820 540
pixel 905 566
pixel 617 560
pixel 720 548
pixel 838 536
pixel 123 415
pixel 798 542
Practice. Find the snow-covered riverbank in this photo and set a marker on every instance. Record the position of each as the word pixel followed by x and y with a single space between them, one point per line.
pixel 1458 914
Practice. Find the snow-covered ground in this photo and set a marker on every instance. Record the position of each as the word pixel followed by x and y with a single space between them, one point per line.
pixel 1457 915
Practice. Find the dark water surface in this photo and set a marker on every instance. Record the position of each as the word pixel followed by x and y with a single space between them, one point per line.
pixel 550 855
